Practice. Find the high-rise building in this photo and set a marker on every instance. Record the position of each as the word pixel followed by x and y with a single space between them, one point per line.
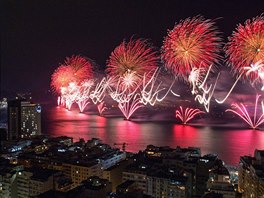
pixel 8 179
pixel 3 113
pixel 80 171
pixel 137 172
pixel 34 181
pixel 251 175
pixel 168 182
pixel 114 173
pixel 24 119
pixel 219 182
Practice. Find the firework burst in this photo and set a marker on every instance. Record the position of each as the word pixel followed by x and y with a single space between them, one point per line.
pixel 98 93
pixel 75 69
pixel 83 92
pixel 243 113
pixel 101 108
pixel 129 80
pixel 129 106
pixel 82 68
pixel 62 77
pixel 257 70
pixel 246 47
pixel 128 100
pixel 196 78
pixel 151 89
pixel 69 94
pixel 130 60
pixel 185 115
pixel 194 42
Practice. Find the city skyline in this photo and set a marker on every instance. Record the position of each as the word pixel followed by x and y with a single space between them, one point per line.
pixel 139 98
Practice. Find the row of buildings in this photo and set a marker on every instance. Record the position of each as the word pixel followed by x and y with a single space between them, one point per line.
pixel 59 167
pixel 58 164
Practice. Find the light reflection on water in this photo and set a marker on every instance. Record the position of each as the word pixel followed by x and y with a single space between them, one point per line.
pixel 229 144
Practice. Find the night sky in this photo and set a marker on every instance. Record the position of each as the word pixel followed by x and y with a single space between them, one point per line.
pixel 36 36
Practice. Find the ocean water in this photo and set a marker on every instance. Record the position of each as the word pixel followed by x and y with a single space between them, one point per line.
pixel 228 141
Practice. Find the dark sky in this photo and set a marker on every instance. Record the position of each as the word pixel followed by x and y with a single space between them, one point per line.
pixel 37 35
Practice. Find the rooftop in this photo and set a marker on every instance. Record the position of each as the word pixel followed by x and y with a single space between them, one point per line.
pixel 94 183
pixel 41 174
pixel 126 184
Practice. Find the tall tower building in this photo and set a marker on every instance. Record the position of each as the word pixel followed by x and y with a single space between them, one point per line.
pixel 24 119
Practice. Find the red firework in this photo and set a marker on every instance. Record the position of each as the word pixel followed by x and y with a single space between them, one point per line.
pixel 75 69
pixel 185 115
pixel 82 68
pixel 61 77
pixel 245 47
pixel 192 43
pixel 135 56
